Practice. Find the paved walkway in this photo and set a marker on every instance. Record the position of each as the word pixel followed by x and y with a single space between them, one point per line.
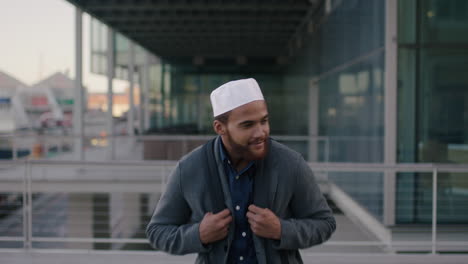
pixel 48 257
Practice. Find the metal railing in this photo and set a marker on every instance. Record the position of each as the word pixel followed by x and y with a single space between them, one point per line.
pixel 434 169
pixel 36 179
pixel 33 179
pixel 315 148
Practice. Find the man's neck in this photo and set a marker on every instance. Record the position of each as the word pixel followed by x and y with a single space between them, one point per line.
pixel 237 162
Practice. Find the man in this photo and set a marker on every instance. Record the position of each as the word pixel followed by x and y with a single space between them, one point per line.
pixel 242 197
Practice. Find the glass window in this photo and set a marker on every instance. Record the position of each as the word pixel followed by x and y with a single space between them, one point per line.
pixel 414 198
pixel 351 112
pixel 406 21
pixel 432 107
pixel 98 47
pixel 443 105
pixel 444 21
pixel 366 188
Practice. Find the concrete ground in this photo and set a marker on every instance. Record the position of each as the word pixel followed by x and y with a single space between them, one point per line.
pixel 51 257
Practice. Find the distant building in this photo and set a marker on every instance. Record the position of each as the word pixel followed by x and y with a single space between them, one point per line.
pixel 12 114
pixel 9 84
pixel 48 102
pixel 62 88
pixel 98 101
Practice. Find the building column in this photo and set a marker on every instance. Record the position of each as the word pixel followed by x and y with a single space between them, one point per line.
pixel 313 120
pixel 131 101
pixel 78 131
pixel 146 85
pixel 80 218
pixel 124 215
pixel 110 77
pixel 141 111
pixel 163 119
pixel 390 115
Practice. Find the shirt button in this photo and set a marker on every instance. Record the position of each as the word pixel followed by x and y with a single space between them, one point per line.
pixel 244 234
pixel 241 258
pixel 237 207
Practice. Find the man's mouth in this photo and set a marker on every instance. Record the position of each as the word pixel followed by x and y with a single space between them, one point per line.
pixel 258 143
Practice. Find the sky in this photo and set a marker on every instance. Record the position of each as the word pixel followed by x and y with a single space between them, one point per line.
pixel 37 39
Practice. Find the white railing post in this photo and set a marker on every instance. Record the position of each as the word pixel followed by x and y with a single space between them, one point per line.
pixel 131 100
pixel 389 201
pixel 27 207
pixel 146 88
pixel 434 210
pixel 25 204
pixel 30 204
pixel 110 95
pixel 78 105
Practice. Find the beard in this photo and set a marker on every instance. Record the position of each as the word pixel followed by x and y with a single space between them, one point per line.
pixel 246 151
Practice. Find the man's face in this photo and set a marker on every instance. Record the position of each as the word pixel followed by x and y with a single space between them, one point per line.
pixel 247 131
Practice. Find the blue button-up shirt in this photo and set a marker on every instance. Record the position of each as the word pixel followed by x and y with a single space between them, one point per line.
pixel 241 187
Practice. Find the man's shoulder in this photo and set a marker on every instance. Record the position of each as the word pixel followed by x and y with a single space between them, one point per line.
pixel 197 155
pixel 282 152
pixel 285 160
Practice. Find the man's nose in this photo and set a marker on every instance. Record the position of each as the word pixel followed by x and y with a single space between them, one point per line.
pixel 259 131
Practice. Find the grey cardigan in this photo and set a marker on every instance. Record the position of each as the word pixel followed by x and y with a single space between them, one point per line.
pixel 283 182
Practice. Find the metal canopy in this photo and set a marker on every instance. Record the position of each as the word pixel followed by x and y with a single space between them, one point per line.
pixel 189 29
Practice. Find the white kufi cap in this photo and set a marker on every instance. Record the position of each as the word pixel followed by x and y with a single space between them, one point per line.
pixel 234 94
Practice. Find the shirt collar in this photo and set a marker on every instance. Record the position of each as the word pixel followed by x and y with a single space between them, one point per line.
pixel 222 151
pixel 225 158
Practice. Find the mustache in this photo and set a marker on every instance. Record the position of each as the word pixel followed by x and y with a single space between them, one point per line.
pixel 258 141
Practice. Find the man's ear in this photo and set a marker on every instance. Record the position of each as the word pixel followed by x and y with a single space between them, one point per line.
pixel 219 127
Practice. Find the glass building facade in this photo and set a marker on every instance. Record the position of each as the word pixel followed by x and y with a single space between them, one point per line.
pixel 344 61
pixel 432 106
pixel 329 97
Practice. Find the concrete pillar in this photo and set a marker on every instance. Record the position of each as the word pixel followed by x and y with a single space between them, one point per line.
pixel 110 77
pixel 390 115
pixel 313 120
pixel 80 219
pixel 125 215
pixel 132 216
pixel 78 130
pixel 146 89
pixel 131 101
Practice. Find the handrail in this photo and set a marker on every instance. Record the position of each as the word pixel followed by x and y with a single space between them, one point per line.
pixel 315 166
pixel 46 162
pixel 433 168
pixel 41 144
pixel 183 136
pixel 380 167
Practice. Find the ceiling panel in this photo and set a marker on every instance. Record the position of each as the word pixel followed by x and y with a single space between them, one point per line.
pixel 206 28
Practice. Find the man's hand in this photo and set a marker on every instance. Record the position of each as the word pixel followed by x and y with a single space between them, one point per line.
pixel 264 222
pixel 214 227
